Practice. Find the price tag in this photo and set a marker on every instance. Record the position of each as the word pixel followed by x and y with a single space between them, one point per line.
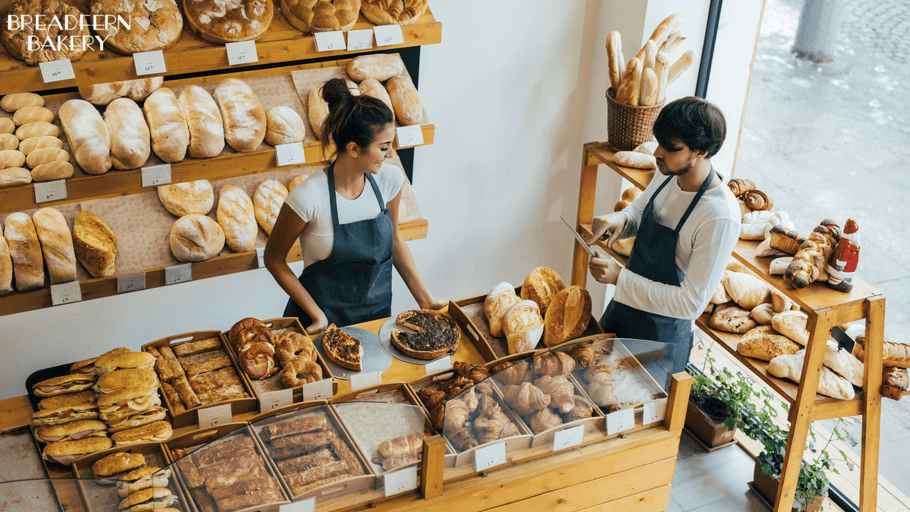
pixel 274 399
pixel 260 256
pixel 216 415
pixel 443 363
pixel 57 70
pixel 329 41
pixel 131 283
pixel 400 481
pixel 290 154
pixel 318 390
pixel 490 456
pixel 149 63
pixel 50 191
pixel 620 421
pixel 178 274
pixel 243 52
pixel 568 438
pixel 155 175
pixel 388 35
pixel 307 505
pixel 365 380
pixel 409 136
pixel 654 411
pixel 360 40
pixel 66 293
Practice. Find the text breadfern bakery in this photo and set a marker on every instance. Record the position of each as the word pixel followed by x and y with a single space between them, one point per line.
pixel 67 23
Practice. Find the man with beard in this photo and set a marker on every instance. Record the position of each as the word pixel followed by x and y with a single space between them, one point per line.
pixel 686 224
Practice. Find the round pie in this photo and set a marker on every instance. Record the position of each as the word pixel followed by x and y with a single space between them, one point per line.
pixel 436 334
pixel 16 41
pixel 155 24
pixel 228 21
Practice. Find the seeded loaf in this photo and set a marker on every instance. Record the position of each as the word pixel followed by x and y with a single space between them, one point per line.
pixel 764 343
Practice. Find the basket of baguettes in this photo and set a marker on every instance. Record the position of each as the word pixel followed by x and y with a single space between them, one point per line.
pixel 638 87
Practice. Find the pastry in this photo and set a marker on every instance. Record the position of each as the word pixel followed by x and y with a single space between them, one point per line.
pixel 567 316
pixel 242 114
pixel 393 12
pixel 267 201
pixel 561 391
pixel 187 198
pixel 757 200
pixel 436 334
pixel 227 22
pixel 167 125
pixel 257 359
pixel 156 24
pixel 69 37
pixel 541 285
pixel 25 251
pixel 95 244
pixel 88 136
pixel 130 137
pixel 342 348
pixel 237 218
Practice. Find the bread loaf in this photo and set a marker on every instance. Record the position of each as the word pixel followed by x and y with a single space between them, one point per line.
pixel 792 324
pixel 680 65
pixel 624 246
pixel 405 100
pixel 56 245
pixel 95 244
pixel 379 67
pixel 12 176
pixel 11 158
pixel 242 113
pixel 67 35
pixel 497 302
pixel 185 198
pixel 399 12
pixel 88 136
pixel 7 125
pixel 25 251
pixel 635 160
pixel 629 89
pixel 778 266
pixel 523 326
pixel 649 87
pixel 130 144
pixel 204 121
pixel 15 101
pixel 763 343
pixel 136 90
pixel 51 171
pixel 167 125
pixel 829 383
pixel 893 354
pixel 156 25
pixel 46 155
pixel 267 201
pixel 37 129
pixel 240 20
pixel 6 266
pixel 720 293
pixel 541 285
pixel 317 111
pixel 372 87
pixel 567 316
pixel 843 363
pixel 763 313
pixel 614 62
pixel 32 114
pixel 8 141
pixel 196 237
pixel 747 291
pixel 297 181
pixel 237 218
pixel 732 319
pixel 284 126
pixel 35 143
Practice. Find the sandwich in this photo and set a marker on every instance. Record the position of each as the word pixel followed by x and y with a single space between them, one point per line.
pixel 152 498
pixel 124 361
pixel 154 432
pixel 65 452
pixel 64 384
pixel 55 402
pixel 88 365
pixel 71 431
pixel 65 414
pixel 153 414
pixel 142 478
pixel 128 378
pixel 116 406
pixel 115 465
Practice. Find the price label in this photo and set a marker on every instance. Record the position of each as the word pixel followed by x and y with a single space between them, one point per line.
pixel 274 399
pixel 56 70
pixel 318 390
pixel 178 274
pixel 50 191
pixel 329 41
pixel 307 505
pixel 131 283
pixel 243 52
pixel 388 35
pixel 490 456
pixel 400 481
pixel 620 421
pixel 155 175
pixel 360 40
pixel 149 63
pixel 443 363
pixel 409 136
pixel 290 154
pixel 65 293
pixel 568 438
pixel 365 380
pixel 260 256
pixel 654 411
pixel 216 415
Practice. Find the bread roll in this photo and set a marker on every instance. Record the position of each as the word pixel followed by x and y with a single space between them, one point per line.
pixel 25 251
pixel 7 125
pixel 317 111
pixel 88 136
pixel 46 155
pixel 380 67
pixel 745 290
pixel 237 218
pixel 732 319
pixel 183 199
pixel 284 126
pixel 12 176
pixel 51 171
pixel 56 244
pixel 405 100
pixel 167 125
pixel 242 113
pixel 15 101
pixel 541 285
pixel 635 160
pixel 646 55
pixel 829 383
pixel 34 143
pixel 196 237
pixel 763 343
pixel 629 89
pixel 37 129
pixel 267 201
pixel 372 87
pixel 614 48
pixel 204 121
pixel 763 313
pixel 567 316
pixel 136 90
pixel 11 158
pixel 95 244
pixel 792 324
pixel 6 266
pixel 130 144
pixel 32 114
pixel 497 302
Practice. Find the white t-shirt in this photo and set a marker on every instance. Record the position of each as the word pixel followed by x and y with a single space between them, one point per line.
pixel 310 200
pixel 703 249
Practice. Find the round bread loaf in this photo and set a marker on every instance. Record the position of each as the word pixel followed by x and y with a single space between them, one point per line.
pixel 95 244
pixel 17 100
pixel 167 125
pixel 203 120
pixel 242 113
pixel 69 38
pixel 35 143
pixel 196 237
pixel 12 176
pixel 310 16
pixel 52 171
pixel 37 129
pixel 7 125
pixel 183 199
pixel 156 24
pixel 237 218
pixel 267 203
pixel 401 12
pixel 56 244
pixel 372 87
pixel 88 136
pixel 32 114
pixel 541 285
pixel 379 67
pixel 226 22
pixel 46 155
pixel 284 126
pixel 25 251
pixel 130 144
pixel 136 90
pixel 11 158
pixel 8 141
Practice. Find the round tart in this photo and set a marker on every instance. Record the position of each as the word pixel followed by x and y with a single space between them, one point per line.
pixel 342 349
pixel 436 334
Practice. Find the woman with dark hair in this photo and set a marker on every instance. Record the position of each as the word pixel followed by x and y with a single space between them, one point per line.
pixel 346 220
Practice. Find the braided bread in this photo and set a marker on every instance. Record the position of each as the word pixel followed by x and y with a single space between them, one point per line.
pixel 740 186
pixel 813 254
pixel 758 200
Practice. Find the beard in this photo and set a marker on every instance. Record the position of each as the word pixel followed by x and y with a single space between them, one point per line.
pixel 662 167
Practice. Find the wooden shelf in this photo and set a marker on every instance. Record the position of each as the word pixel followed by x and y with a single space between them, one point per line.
pixel 601 153
pixel 282 43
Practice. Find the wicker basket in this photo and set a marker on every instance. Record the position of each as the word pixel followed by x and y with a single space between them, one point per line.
pixel 627 126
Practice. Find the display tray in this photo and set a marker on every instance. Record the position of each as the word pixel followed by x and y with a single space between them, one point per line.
pixel 374 359
pixel 43 375
pixel 385 338
pixel 22 461
pixel 180 446
pixel 191 415
pixel 632 384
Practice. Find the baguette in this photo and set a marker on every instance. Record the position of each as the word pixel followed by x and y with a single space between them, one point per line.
pixel 52 171
pixel 11 158
pixel 635 160
pixel 629 88
pixel 15 101
pixel 893 354
pixel 674 40
pixel 405 100
pixel 665 28
pixel 680 65
pixel 34 143
pixel 46 155
pixel 649 87
pixel 662 70
pixel 8 141
pixel 650 52
pixel 56 244
pixel 614 48
pixel 37 129
pixel 32 114
pixel 12 176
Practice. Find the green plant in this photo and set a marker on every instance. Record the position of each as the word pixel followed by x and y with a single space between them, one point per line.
pixel 722 395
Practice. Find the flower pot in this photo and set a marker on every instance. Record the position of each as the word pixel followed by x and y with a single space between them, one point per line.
pixel 712 434
pixel 766 488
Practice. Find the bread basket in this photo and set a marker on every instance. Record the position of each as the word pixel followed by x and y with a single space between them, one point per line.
pixel 629 126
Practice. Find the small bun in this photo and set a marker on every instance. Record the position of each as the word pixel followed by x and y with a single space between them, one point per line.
pixel 335 92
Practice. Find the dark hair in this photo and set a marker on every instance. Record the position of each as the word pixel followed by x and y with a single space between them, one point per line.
pixel 351 118
pixel 700 125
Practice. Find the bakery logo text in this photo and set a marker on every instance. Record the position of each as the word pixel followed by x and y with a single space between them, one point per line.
pixel 52 28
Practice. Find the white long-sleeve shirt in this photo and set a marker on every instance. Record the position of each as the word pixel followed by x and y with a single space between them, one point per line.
pixel 703 249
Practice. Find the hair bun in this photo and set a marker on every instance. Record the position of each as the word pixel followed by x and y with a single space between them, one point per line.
pixel 335 92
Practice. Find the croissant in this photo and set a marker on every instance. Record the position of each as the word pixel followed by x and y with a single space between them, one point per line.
pixel 486 406
pixel 491 428
pixel 456 385
pixel 812 256
pixel 582 410
pixel 515 374
pixel 471 371
pixel 561 391
pixel 526 398
pixel 602 393
pixel 431 397
pixel 299 365
pixel 462 439
pixel 758 200
pixel 554 363
pixel 583 354
pixel 437 416
pixel 740 186
pixel 498 301
pixel 470 399
pixel 456 414
pixel 484 387
pixel 544 420
pixel 600 374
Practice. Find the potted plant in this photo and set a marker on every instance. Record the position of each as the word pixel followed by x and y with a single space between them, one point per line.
pixel 716 404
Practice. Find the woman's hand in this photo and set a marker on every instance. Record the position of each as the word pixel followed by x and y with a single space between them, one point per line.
pixel 318 325
pixel 610 225
pixel 434 303
pixel 604 269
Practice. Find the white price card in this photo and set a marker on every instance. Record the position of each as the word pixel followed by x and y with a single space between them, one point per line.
pixel 568 438
pixel 290 154
pixel 409 136
pixel 307 505
pixel 365 380
pixel 490 456
pixel 178 274
pixel 56 70
pixel 318 390
pixel 654 411
pixel 274 399
pixel 131 283
pixel 50 191
pixel 329 41
pixel 401 481
pixel 388 35
pixel 443 363
pixel 360 40
pixel 243 52
pixel 65 293
pixel 260 257
pixel 149 63
pixel 620 421
pixel 216 415
pixel 155 175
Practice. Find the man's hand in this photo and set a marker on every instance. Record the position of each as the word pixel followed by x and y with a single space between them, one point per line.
pixel 610 225
pixel 604 269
